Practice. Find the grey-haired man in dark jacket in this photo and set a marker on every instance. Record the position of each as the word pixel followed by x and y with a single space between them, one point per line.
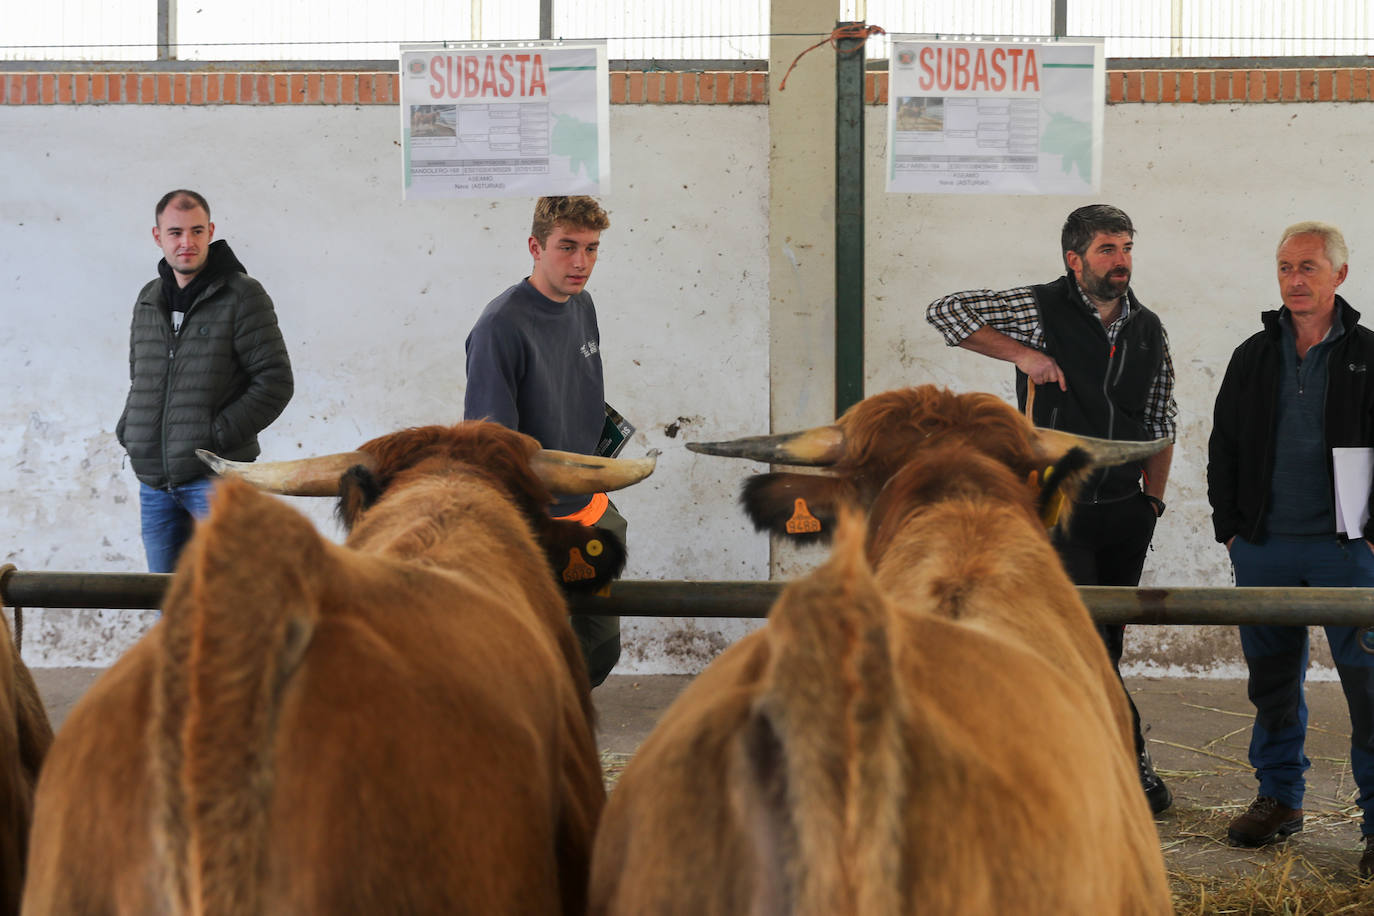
pixel 1297 396
pixel 208 369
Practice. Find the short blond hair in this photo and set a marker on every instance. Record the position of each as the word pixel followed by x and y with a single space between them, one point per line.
pixel 1332 240
pixel 573 212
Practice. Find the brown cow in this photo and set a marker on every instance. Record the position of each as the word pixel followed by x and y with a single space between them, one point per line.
pixel 928 726
pixel 25 737
pixel 398 725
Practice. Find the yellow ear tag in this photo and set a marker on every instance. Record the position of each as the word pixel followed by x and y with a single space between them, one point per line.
pixel 802 521
pixel 1049 515
pixel 578 569
pixel 594 548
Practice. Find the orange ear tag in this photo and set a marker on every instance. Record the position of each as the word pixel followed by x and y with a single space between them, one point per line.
pixel 578 569
pixel 802 521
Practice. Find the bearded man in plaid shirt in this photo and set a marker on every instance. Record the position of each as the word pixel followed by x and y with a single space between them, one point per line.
pixel 1095 362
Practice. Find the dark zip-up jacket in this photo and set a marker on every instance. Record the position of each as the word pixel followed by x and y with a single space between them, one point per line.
pixel 215 384
pixel 1240 461
pixel 1108 384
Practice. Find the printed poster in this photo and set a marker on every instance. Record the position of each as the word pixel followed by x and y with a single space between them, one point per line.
pixel 505 119
pixel 995 117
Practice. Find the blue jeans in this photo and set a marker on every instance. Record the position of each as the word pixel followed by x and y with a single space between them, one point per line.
pixel 168 517
pixel 1277 658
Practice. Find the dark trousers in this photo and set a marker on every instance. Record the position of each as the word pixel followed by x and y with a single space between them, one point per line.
pixel 1105 545
pixel 1277 657
pixel 598 635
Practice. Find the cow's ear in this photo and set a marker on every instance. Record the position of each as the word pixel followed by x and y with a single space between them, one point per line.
pixel 359 489
pixel 584 558
pixel 800 507
pixel 1059 484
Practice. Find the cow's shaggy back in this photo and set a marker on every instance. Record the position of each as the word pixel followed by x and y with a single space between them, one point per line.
pixel 401 724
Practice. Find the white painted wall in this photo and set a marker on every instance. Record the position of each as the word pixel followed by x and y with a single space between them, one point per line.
pixel 376 296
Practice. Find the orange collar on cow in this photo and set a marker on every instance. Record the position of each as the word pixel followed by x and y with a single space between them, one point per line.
pixel 591 513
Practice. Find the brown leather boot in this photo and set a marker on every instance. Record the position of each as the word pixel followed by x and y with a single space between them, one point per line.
pixel 1367 860
pixel 1263 822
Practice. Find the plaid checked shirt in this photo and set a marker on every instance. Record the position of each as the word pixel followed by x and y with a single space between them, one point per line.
pixel 1015 313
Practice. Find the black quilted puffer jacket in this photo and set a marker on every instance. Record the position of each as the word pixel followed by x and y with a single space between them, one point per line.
pixel 213 385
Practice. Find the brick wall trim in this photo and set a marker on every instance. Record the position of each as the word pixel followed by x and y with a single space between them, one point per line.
pixel 1124 87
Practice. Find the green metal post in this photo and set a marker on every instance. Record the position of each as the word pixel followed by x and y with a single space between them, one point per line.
pixel 849 222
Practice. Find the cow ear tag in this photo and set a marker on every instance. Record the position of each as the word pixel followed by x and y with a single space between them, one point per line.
pixel 578 569
pixel 802 521
pixel 1049 512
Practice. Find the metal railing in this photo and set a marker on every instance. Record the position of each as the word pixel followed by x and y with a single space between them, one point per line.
pixel 1156 606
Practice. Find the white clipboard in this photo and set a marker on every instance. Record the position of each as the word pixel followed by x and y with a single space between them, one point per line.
pixel 1353 469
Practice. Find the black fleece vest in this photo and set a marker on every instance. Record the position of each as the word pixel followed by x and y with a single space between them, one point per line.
pixel 1107 385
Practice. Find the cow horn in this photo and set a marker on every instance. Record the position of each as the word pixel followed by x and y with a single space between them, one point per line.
pixel 1104 452
pixel 571 474
pixel 818 447
pixel 302 477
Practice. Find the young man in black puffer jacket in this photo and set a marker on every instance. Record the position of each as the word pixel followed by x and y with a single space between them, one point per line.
pixel 208 369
